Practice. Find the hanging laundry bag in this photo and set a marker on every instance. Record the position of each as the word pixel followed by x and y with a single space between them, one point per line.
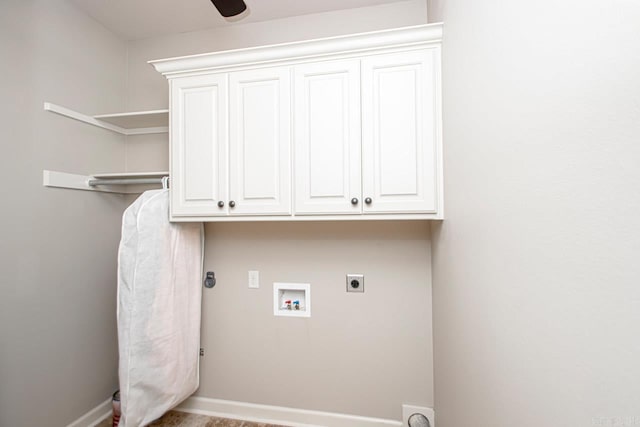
pixel 159 308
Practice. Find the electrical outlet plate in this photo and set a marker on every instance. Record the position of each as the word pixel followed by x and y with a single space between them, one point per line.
pixel 254 279
pixel 355 282
pixel 408 410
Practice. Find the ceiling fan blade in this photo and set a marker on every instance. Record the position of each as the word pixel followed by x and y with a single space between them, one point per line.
pixel 229 8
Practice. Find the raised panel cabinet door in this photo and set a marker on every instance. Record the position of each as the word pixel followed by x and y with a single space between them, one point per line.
pixel 260 142
pixel 400 112
pixel 199 137
pixel 327 138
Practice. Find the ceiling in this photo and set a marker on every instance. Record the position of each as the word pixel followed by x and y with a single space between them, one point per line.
pixel 137 19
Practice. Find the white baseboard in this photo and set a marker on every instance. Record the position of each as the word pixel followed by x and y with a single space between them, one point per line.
pixel 278 415
pixel 251 412
pixel 94 416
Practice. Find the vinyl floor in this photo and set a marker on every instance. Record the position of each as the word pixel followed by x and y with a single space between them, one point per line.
pixel 183 419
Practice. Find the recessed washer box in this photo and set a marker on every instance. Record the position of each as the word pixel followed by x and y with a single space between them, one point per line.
pixel 292 299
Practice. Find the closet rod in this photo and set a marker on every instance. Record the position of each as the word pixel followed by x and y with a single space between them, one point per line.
pixel 125 181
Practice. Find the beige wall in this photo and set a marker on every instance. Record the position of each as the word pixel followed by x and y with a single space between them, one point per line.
pixel 536 289
pixel 362 354
pixel 58 247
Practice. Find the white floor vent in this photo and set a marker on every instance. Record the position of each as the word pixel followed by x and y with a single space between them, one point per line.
pixel 418 416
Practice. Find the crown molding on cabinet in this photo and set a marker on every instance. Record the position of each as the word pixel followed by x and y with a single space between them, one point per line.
pixel 420 35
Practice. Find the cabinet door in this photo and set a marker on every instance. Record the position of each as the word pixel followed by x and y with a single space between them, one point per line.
pixel 399 108
pixel 260 135
pixel 198 145
pixel 327 137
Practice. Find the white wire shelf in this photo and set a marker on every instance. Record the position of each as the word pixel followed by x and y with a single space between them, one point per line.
pixel 132 123
pixel 121 183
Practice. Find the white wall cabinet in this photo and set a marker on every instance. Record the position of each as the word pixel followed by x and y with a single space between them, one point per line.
pixel 399 138
pixel 209 176
pixel 330 129
pixel 365 135
pixel 327 138
pixel 260 135
pixel 199 149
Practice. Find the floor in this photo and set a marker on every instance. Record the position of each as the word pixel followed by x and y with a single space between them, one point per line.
pixel 182 419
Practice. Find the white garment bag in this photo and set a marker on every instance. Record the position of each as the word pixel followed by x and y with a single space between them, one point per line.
pixel 159 305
